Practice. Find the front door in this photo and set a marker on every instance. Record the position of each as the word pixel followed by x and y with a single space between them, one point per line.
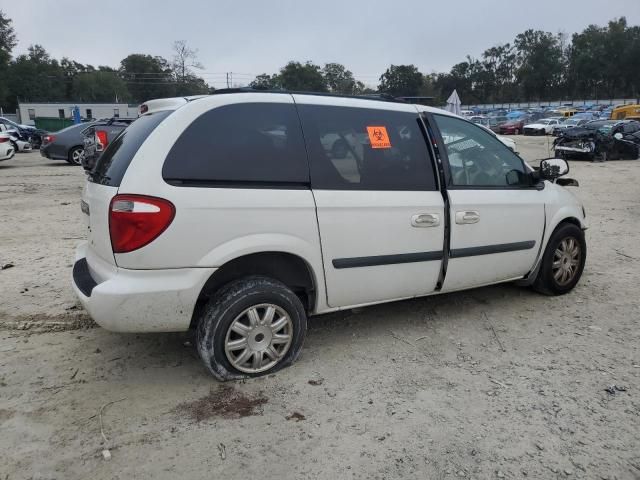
pixel 497 217
pixel 380 213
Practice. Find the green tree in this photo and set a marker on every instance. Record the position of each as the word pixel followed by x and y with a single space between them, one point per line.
pixel 265 81
pixel 36 77
pixel 305 77
pixel 401 80
pixel 103 85
pixel 147 77
pixel 7 43
pixel 340 80
pixel 192 85
pixel 540 66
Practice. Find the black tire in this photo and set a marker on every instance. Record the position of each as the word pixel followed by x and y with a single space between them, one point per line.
pixel 230 302
pixel 75 156
pixel 546 281
pixel 15 147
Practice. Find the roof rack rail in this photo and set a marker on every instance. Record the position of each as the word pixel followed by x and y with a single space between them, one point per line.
pixel 385 97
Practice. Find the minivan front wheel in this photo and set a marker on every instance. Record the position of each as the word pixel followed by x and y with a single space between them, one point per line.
pixel 563 261
pixel 251 327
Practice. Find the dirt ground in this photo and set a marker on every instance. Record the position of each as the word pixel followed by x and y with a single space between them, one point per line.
pixel 497 382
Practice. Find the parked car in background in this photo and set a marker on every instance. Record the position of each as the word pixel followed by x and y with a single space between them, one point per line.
pixel 480 120
pixel 509 142
pixel 600 139
pixel 568 123
pixel 513 127
pixel 6 148
pixel 98 136
pixel 65 144
pixel 17 143
pixel 586 116
pixel 630 112
pixel 496 122
pixel 231 215
pixel 26 133
pixel 543 126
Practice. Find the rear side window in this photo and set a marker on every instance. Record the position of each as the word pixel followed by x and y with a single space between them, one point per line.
pixel 249 144
pixel 366 149
pixel 115 160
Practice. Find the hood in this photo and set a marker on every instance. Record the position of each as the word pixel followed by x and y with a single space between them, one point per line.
pixel 536 125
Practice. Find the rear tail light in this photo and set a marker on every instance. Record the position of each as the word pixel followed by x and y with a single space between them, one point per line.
pixel 101 140
pixel 137 220
pixel 4 139
pixel 49 138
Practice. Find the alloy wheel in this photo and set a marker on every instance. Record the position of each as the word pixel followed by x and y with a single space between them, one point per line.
pixel 258 338
pixel 566 261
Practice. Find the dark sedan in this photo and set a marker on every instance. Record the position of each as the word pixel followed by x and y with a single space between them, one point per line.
pixel 65 144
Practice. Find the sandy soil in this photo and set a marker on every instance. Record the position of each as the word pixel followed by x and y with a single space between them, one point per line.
pixel 497 382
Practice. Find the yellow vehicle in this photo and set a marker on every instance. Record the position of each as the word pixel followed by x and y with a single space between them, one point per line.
pixel 626 112
pixel 567 112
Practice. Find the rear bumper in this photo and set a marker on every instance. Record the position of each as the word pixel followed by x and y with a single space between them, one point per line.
pixel 45 151
pixel 123 300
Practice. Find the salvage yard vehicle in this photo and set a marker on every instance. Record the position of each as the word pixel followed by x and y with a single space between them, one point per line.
pixel 26 133
pixel 568 123
pixel 65 144
pixel 628 112
pixel 97 137
pixel 235 215
pixel 19 145
pixel 544 126
pixel 6 148
pixel 513 127
pixel 599 140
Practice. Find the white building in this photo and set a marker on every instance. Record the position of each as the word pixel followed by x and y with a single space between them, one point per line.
pixel 27 112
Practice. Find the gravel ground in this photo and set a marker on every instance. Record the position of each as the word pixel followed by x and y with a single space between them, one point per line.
pixel 497 382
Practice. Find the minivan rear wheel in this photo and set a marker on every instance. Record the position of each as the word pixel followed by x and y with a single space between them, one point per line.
pixel 251 327
pixel 563 261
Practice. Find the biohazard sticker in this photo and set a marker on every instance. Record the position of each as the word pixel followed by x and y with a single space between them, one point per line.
pixel 379 137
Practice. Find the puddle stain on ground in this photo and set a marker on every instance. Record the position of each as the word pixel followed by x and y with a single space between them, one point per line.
pixel 225 402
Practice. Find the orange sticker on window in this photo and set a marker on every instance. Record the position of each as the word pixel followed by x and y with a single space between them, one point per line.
pixel 379 137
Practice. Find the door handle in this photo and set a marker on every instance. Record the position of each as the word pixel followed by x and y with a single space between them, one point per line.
pixel 425 220
pixel 467 216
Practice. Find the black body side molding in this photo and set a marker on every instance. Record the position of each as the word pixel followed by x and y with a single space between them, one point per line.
pixel 377 260
pixel 489 249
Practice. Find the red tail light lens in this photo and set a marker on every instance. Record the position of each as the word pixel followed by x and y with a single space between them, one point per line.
pixel 4 139
pixel 49 138
pixel 101 140
pixel 137 220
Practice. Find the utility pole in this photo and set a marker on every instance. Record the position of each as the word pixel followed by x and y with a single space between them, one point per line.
pixel 228 80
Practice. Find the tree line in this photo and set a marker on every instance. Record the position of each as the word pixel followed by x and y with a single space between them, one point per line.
pixel 599 62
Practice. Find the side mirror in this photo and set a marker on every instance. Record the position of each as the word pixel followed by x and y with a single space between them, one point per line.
pixel 618 136
pixel 552 168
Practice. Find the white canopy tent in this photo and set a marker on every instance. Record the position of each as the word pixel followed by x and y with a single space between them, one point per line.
pixel 453 103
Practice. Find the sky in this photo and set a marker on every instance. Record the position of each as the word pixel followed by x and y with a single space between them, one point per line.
pixel 252 37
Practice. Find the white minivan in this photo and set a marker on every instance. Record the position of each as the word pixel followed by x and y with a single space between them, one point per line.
pixel 241 213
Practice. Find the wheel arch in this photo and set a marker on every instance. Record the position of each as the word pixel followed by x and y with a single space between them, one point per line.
pixel 290 269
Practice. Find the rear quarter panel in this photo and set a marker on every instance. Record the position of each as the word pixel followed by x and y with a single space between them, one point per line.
pixel 215 225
